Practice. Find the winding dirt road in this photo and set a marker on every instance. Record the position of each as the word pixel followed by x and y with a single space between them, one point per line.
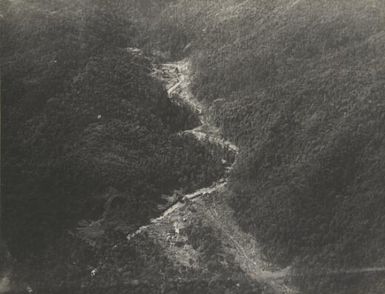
pixel 209 204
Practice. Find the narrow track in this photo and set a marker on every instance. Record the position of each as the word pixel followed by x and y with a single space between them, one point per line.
pixel 176 77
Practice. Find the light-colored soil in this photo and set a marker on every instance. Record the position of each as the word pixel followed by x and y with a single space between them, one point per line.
pixel 207 205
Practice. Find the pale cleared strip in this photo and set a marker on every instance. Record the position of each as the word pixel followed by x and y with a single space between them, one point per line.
pixel 177 78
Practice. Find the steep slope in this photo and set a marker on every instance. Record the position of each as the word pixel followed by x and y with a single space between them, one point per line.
pixel 88 137
pixel 298 85
pixel 207 209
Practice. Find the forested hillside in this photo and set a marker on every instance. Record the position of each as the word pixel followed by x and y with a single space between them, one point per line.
pixel 83 123
pixel 89 134
pixel 299 85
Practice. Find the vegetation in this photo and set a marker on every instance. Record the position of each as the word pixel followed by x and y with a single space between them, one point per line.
pixel 81 117
pixel 299 86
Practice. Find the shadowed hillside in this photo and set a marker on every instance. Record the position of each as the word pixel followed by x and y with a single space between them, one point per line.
pixel 86 130
pixel 89 133
pixel 300 87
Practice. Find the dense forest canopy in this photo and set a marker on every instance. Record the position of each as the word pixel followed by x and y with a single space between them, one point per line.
pixel 303 88
pixel 298 85
pixel 82 115
pixel 305 91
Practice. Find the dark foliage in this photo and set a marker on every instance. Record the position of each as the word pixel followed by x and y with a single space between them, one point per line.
pixel 81 114
pixel 299 86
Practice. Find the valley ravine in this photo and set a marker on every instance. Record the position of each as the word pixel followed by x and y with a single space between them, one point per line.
pixel 209 206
